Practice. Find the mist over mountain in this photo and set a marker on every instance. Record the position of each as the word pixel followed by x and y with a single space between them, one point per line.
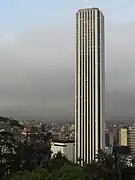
pixel 37 57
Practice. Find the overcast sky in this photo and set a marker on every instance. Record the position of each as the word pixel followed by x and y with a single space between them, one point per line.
pixel 37 57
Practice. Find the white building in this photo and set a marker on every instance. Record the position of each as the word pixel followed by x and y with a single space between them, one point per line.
pixel 66 147
pixel 90 84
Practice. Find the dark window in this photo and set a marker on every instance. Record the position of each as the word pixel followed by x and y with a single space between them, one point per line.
pixel 60 145
pixel 91 77
pixel 80 81
pixel 94 77
pixel 99 134
pixel 88 88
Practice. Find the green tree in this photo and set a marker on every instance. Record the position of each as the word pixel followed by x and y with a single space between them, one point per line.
pixel 4 119
pixel 109 167
pixel 57 162
pixel 15 123
pixel 36 174
pixel 25 156
pixel 67 172
pixel 7 152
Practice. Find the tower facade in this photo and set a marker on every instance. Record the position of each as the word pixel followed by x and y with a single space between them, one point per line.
pixel 89 84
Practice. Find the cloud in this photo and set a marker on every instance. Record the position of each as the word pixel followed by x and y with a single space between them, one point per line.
pixel 120 70
pixel 5 39
pixel 37 71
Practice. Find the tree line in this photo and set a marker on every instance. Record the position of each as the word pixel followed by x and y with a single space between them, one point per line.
pixel 32 161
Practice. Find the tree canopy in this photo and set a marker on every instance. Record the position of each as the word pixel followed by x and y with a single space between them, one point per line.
pixel 31 161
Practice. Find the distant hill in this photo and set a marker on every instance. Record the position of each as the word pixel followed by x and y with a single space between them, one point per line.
pixel 46 119
pixel 70 119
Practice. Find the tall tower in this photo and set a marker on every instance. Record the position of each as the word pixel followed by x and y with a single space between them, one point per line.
pixel 90 84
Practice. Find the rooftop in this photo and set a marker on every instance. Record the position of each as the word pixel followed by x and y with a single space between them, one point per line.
pixel 63 140
pixel 88 9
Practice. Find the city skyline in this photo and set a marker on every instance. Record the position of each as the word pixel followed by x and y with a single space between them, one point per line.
pixel 37 66
pixel 89 84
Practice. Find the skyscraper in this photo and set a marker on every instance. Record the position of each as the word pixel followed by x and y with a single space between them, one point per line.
pixel 89 85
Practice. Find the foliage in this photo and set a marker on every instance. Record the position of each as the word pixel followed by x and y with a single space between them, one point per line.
pixel 59 168
pixel 30 161
pixel 68 172
pixel 109 167
pixel 36 174
pixel 20 156
pixel 7 152
pixel 15 123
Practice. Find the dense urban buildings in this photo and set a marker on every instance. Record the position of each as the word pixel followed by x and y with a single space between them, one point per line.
pixel 90 84
pixel 131 139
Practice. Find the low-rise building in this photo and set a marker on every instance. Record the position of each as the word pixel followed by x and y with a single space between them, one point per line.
pixel 66 147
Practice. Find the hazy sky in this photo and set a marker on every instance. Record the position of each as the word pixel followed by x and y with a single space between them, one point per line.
pixel 37 56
